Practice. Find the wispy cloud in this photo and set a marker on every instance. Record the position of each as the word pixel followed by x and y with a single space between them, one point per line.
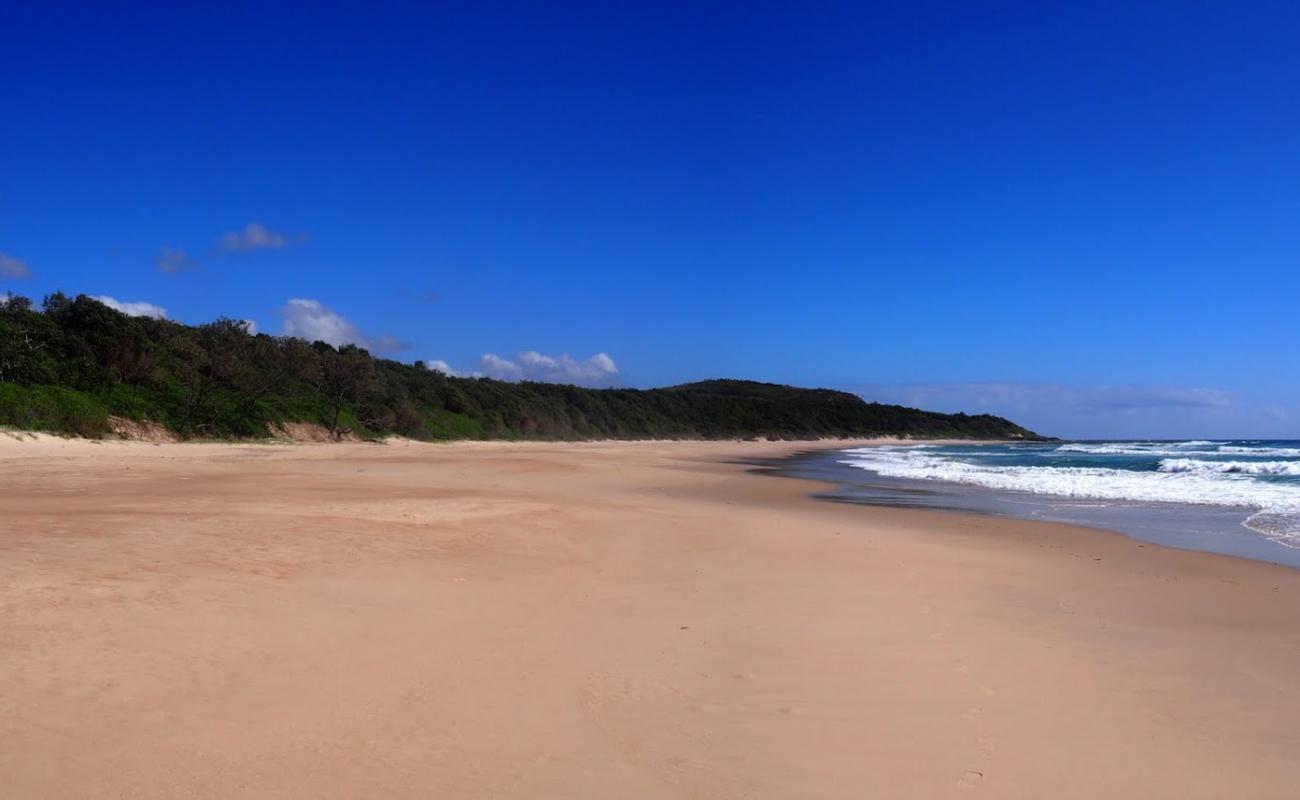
pixel 256 236
pixel 977 396
pixel 175 261
pixel 11 267
pixel 1090 411
pixel 313 321
pixel 133 309
pixel 1278 413
pixel 1132 398
pixel 598 370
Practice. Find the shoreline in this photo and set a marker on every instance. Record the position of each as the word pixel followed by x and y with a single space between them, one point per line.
pixel 930 517
pixel 1221 528
pixel 607 619
pixel 842 492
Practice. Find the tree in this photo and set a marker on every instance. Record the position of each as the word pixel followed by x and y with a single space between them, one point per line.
pixel 193 368
pixel 25 343
pixel 251 366
pixel 346 377
pixel 55 304
pixel 16 303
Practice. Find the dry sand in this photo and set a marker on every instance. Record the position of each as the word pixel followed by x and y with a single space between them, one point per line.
pixel 604 621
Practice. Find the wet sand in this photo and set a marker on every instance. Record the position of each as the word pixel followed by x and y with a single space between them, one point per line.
pixel 604 620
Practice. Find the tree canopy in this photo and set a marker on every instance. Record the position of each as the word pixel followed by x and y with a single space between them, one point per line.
pixel 73 363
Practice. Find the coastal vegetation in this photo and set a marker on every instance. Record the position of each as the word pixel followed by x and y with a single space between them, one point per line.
pixel 74 365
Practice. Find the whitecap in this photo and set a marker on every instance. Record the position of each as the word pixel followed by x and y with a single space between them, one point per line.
pixel 1237 450
pixel 1271 468
pixel 1198 486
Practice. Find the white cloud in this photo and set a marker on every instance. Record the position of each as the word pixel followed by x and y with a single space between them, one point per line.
pixel 175 261
pixel 314 321
pixel 250 326
pixel 11 267
pixel 599 370
pixel 133 309
pixel 603 363
pixel 255 236
pixel 494 366
pixel 438 365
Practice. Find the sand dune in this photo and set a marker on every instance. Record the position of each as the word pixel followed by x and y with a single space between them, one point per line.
pixel 600 621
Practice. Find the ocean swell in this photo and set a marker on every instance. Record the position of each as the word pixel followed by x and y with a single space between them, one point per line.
pixel 1275 506
pixel 1278 468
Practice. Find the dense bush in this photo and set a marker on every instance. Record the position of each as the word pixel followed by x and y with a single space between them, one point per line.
pixel 71 364
pixel 52 408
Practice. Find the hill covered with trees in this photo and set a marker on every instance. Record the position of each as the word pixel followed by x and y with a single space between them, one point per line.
pixel 72 364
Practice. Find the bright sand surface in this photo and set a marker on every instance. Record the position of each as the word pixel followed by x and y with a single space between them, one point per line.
pixel 604 621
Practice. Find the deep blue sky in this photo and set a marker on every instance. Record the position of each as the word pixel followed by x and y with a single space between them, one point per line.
pixel 1087 218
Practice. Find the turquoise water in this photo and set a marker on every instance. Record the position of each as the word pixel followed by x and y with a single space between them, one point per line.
pixel 1240 497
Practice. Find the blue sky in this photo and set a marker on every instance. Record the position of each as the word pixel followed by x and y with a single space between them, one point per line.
pixel 1087 218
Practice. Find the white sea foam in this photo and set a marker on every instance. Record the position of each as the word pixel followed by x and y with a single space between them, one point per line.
pixel 1282 527
pixel 1291 452
pixel 1139 448
pixel 1192 448
pixel 1277 468
pixel 1279 503
pixel 1103 449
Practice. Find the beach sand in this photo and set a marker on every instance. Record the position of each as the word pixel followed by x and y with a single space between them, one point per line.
pixel 604 621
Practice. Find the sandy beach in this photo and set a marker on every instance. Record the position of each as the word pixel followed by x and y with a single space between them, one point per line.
pixel 630 620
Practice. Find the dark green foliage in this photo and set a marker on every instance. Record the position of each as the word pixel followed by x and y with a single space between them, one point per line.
pixel 71 365
pixel 51 408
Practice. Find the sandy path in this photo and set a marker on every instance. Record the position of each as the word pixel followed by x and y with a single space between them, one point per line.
pixel 604 620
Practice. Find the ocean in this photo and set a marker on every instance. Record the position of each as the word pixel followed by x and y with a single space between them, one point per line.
pixel 1235 497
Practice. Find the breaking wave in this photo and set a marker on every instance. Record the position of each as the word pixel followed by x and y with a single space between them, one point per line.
pixel 1267 489
pixel 1230 467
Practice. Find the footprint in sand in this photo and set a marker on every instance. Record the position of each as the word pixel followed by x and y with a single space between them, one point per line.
pixel 971 780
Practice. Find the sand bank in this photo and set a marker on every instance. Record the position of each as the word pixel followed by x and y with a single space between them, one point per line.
pixel 604 620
